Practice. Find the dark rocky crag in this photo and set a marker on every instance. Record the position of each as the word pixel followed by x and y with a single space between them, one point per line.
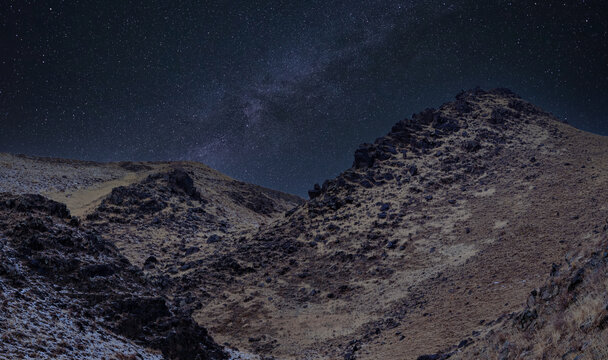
pixel 43 245
pixel 173 221
pixel 429 130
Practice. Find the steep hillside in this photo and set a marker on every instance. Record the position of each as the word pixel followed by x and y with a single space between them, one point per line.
pixel 566 318
pixel 438 227
pixel 182 210
pixel 428 246
pixel 84 299
pixel 68 293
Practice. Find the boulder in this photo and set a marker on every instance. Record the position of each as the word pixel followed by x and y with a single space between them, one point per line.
pixel 364 157
pixel 180 180
pixel 471 145
pixel 315 192
pixel 213 239
pixel 413 170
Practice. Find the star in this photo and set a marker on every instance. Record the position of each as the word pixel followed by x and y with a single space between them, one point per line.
pixel 278 93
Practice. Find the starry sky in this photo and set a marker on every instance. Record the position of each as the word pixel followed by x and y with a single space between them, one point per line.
pixel 278 93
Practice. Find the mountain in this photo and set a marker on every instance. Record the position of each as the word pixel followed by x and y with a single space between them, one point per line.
pixel 438 227
pixel 84 299
pixel 430 246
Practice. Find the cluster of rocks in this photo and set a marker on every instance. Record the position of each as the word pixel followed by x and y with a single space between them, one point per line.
pixel 150 197
pixel 393 158
pixel 254 201
pixel 419 134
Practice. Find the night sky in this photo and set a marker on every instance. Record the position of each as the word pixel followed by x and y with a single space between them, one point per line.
pixel 278 93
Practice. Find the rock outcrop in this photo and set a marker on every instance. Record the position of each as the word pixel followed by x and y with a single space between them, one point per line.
pixel 46 251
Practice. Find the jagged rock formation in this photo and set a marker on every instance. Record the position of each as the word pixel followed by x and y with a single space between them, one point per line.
pixel 438 229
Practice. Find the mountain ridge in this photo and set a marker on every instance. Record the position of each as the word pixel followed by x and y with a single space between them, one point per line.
pixel 472 178
pixel 439 227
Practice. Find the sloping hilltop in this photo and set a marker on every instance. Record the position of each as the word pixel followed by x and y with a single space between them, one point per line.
pixel 443 225
pixel 429 246
pixel 68 292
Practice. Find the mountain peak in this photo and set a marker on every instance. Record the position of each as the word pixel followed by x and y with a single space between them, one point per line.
pixel 476 120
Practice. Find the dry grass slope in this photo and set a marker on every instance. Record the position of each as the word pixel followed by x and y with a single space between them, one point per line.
pixel 566 318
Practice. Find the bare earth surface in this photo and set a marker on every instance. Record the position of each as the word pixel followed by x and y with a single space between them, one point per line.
pixel 439 229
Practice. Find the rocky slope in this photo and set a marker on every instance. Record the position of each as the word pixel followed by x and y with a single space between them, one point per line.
pixel 68 293
pixel 161 220
pixel 566 318
pixel 84 299
pixel 440 228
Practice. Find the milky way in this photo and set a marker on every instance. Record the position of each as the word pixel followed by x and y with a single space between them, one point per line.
pixel 278 93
